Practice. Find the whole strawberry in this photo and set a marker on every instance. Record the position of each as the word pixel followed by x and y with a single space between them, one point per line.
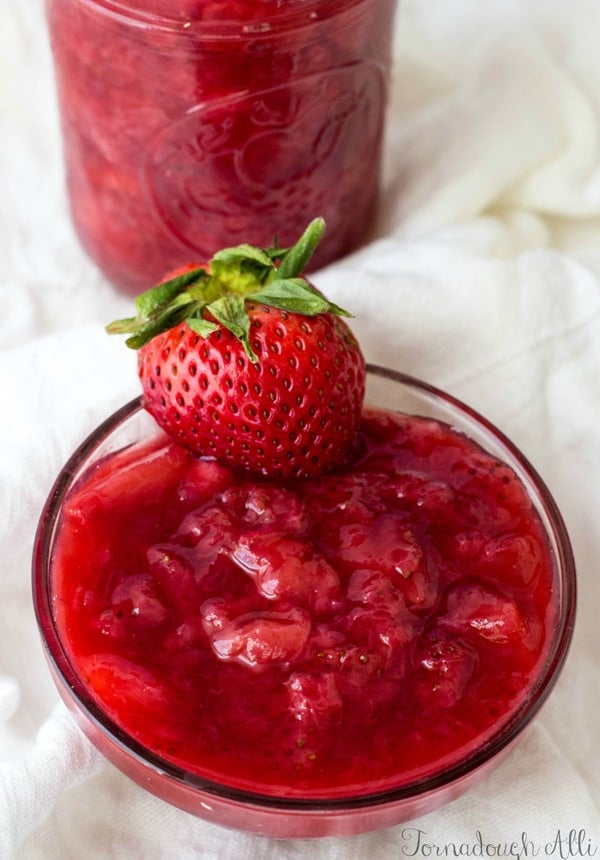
pixel 244 361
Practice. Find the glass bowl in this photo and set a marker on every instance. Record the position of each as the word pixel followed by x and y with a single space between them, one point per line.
pixel 297 816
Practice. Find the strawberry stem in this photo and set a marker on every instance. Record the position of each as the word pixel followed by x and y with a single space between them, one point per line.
pixel 296 258
pixel 207 298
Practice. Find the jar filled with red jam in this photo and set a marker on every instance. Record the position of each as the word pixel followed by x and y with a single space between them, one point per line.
pixel 192 124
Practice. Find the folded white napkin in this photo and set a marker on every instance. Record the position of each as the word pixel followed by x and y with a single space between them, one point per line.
pixel 482 277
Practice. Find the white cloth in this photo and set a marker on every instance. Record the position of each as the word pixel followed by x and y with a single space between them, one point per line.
pixel 483 277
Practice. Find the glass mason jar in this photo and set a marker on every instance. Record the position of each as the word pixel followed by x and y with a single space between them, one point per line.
pixel 189 125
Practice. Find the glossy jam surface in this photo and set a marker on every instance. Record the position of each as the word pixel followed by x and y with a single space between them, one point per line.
pixel 329 637
pixel 218 123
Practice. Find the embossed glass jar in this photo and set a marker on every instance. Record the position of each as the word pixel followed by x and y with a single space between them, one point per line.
pixel 193 124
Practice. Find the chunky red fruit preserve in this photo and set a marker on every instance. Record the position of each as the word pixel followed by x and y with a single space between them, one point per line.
pixel 197 124
pixel 331 636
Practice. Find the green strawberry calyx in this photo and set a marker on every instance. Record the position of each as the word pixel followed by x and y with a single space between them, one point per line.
pixel 206 298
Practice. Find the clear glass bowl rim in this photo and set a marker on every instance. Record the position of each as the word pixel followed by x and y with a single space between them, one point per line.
pixel 497 743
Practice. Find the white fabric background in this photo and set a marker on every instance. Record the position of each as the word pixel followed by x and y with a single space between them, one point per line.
pixel 483 277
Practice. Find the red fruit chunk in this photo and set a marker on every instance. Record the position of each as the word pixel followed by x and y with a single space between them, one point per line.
pixel 465 545
pixel 209 531
pixel 491 494
pixel 124 686
pixel 287 569
pixel 135 607
pixel 445 666
pixel 384 635
pixel 129 478
pixel 187 636
pixel 425 438
pixel 354 666
pixel 375 589
pixel 202 481
pixel 315 701
pixel 431 496
pixel 256 639
pixel 481 512
pixel 323 642
pixel 383 622
pixel 360 672
pixel 386 541
pixel 387 544
pixel 513 558
pixel 353 497
pixel 502 482
pixel 216 614
pixel 174 576
pixel 484 612
pixel 267 505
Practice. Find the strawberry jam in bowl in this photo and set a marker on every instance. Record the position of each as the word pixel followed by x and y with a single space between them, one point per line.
pixel 304 657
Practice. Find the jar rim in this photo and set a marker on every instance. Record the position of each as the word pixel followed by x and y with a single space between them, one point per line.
pixel 301 14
